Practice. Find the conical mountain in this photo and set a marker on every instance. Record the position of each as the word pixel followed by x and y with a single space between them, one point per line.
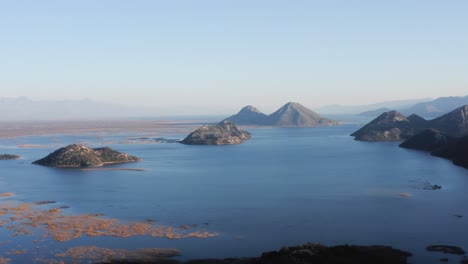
pixel 248 115
pixel 389 126
pixel 296 115
pixel 454 123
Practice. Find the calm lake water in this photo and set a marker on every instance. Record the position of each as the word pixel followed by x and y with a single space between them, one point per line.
pixel 282 187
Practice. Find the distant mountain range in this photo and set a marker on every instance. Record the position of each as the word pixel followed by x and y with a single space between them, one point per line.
pixel 427 108
pixel 357 109
pixel 23 108
pixel 289 115
pixel 436 107
pixel 376 112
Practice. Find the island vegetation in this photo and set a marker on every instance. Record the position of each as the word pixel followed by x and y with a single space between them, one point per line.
pixel 77 155
pixel 224 133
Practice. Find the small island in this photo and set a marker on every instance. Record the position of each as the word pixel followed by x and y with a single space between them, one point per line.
pixel 224 133
pixel 9 157
pixel 77 155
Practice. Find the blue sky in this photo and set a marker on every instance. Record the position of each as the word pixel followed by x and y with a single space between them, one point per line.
pixel 205 57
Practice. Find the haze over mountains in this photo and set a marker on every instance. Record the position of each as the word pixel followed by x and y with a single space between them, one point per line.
pixel 436 107
pixel 337 109
pixel 427 108
pixel 23 108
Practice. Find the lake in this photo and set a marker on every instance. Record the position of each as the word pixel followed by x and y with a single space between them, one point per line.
pixel 285 186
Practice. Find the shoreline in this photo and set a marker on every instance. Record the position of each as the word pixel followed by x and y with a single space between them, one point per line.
pixel 15 129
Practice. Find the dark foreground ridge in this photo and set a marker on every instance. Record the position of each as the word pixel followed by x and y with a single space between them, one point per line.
pixel 307 254
pixel 440 145
pixel 76 155
pixel 8 157
pixel 224 133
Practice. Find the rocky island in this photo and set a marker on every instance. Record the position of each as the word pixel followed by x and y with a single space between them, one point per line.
pixel 76 155
pixel 224 133
pixel 289 115
pixel 9 157
pixel 390 126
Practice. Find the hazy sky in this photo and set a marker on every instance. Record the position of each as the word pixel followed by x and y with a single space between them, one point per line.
pixel 207 56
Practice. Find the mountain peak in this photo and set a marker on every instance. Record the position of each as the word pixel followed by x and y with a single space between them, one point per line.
pixel 248 115
pixel 249 108
pixel 296 115
pixel 292 105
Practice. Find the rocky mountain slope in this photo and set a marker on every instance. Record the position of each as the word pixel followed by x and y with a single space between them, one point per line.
pixel 454 123
pixel 224 133
pixel 249 115
pixel 390 126
pixel 296 115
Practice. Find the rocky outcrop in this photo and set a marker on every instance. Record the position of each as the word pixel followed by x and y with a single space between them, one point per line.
pixel 224 133
pixel 454 123
pixel 428 140
pixel 289 115
pixel 77 155
pixel 389 126
pixel 249 115
pixel 8 157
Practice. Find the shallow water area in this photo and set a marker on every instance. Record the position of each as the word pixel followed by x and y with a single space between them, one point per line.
pixel 285 186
